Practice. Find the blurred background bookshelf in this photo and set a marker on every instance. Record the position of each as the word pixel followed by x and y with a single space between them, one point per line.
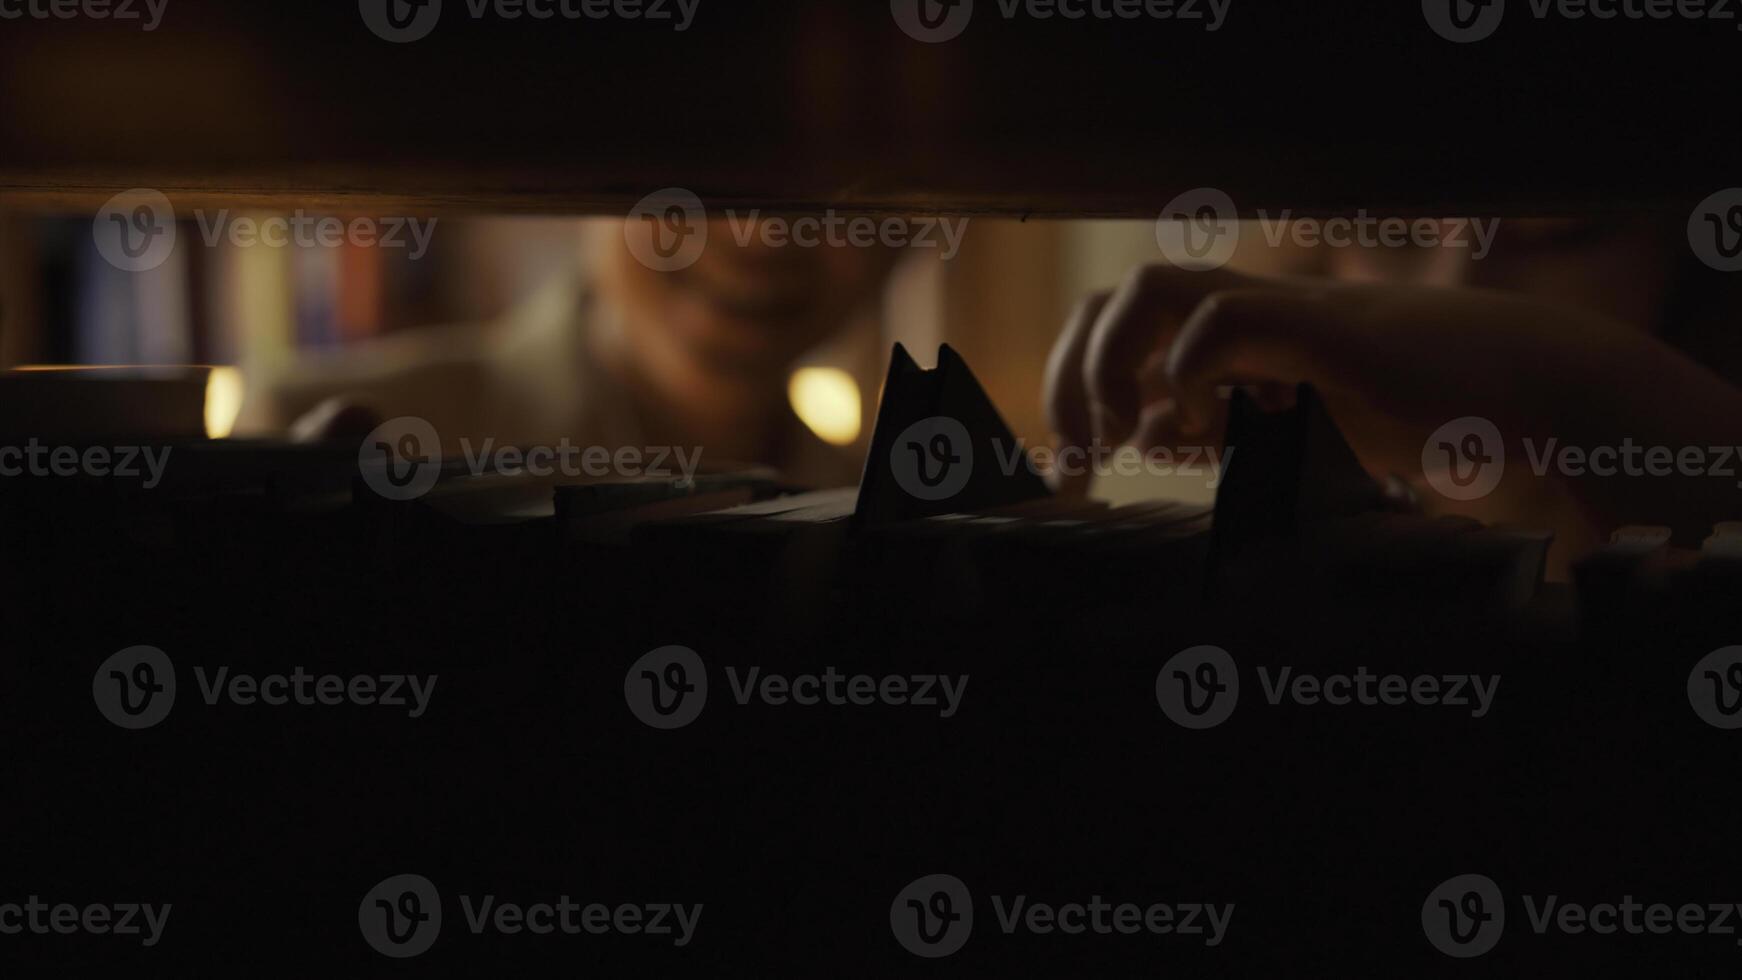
pixel 226 304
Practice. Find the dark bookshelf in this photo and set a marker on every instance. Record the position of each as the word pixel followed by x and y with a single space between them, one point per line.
pixel 796 104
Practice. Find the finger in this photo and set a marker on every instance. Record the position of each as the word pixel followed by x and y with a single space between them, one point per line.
pixel 1158 400
pixel 1261 336
pixel 1157 425
pixel 1161 427
pixel 1067 406
pixel 1144 314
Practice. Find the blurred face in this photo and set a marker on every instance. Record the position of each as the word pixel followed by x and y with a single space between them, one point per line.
pixel 745 306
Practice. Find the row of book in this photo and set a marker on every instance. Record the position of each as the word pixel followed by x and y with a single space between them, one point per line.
pixel 221 303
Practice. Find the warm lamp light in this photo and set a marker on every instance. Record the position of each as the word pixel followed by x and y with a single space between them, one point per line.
pixel 827 401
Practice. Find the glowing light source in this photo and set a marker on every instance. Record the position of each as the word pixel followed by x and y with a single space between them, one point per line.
pixel 827 401
pixel 223 386
pixel 223 401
